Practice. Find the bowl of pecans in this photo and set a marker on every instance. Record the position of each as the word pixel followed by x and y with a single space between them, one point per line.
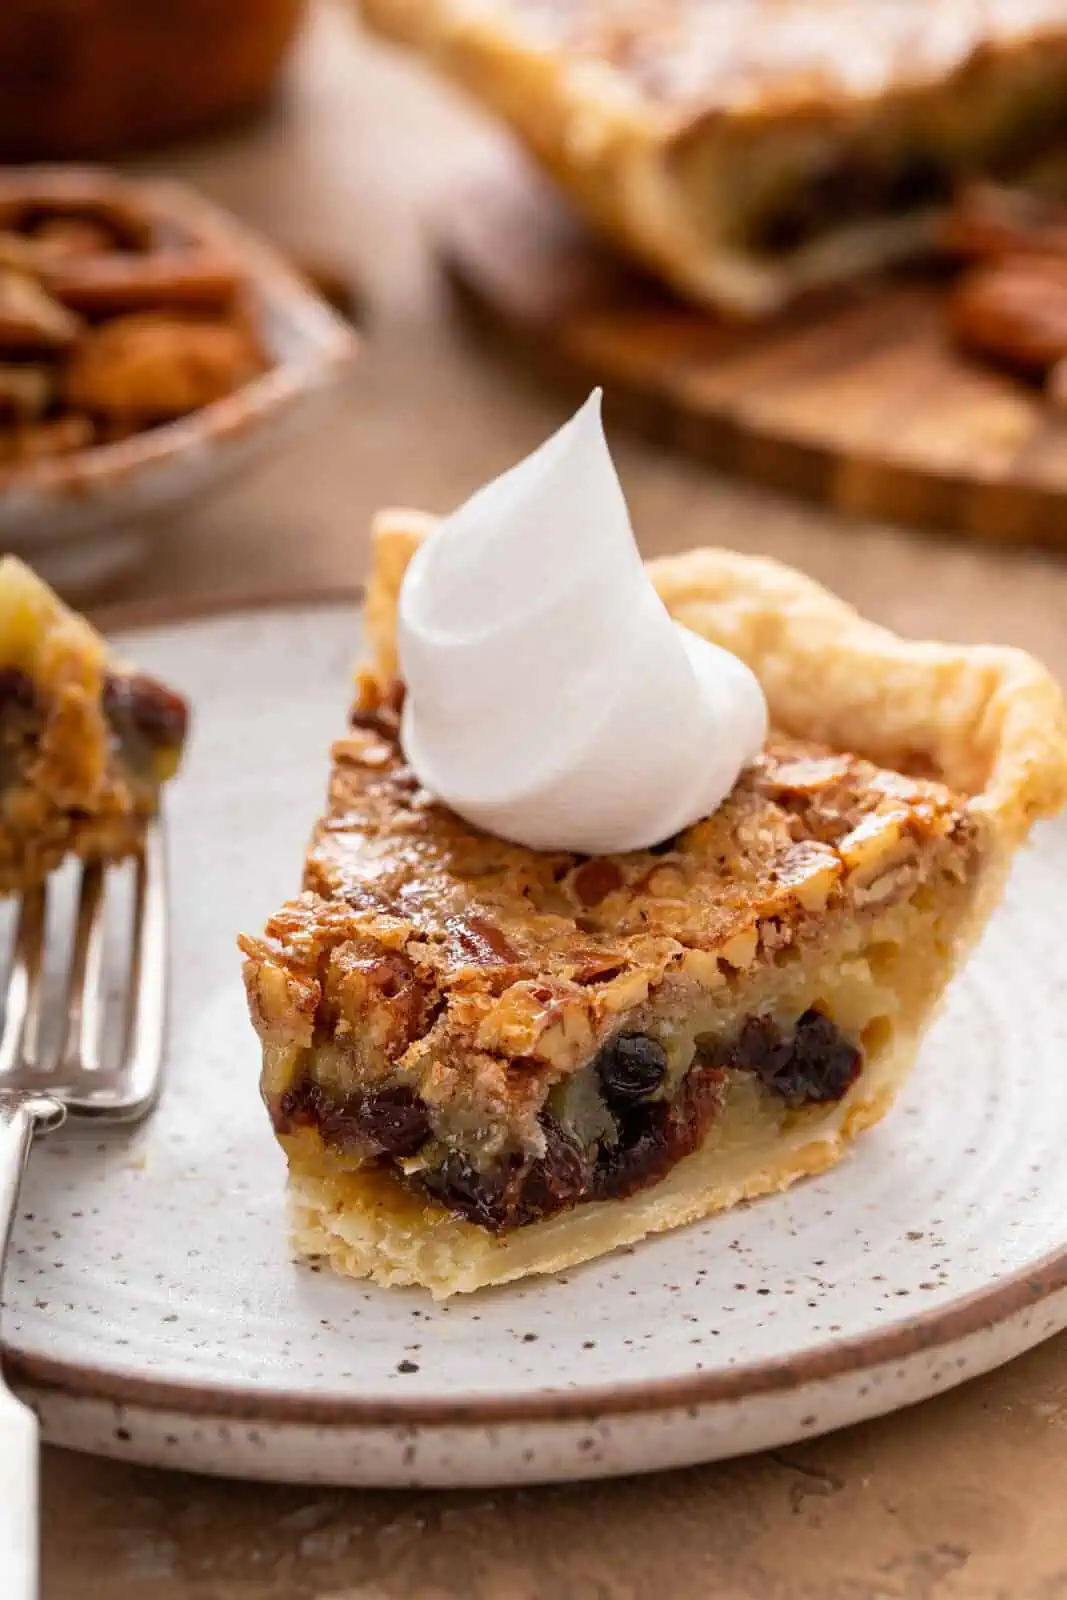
pixel 151 347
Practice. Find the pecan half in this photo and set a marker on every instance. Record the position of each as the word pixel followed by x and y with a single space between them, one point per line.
pixel 989 223
pixel 480 942
pixel 59 238
pixel 168 280
pixel 595 879
pixel 96 203
pixel 1014 313
pixel 153 366
pixel 30 320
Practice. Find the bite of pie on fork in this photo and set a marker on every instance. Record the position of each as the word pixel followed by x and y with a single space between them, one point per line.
pixel 87 744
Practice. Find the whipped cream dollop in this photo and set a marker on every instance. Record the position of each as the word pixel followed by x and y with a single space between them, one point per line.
pixel 550 698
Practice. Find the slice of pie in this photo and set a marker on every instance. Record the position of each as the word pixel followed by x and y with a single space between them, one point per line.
pixel 483 1061
pixel 85 742
pixel 746 150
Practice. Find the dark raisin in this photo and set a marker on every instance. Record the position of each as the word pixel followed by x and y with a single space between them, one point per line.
pixel 825 1062
pixel 286 1111
pixel 396 1119
pixel 139 705
pixel 631 1068
pixel 477 1196
pixel 556 1180
pixel 816 1065
pixel 16 689
pixel 761 1048
pixel 302 1105
pixel 643 1152
pixel 653 1138
pixel 515 1192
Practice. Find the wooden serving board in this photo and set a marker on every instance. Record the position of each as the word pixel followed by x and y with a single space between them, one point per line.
pixel 859 401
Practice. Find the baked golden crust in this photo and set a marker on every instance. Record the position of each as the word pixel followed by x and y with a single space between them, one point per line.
pixel 85 743
pixel 679 127
pixel 481 983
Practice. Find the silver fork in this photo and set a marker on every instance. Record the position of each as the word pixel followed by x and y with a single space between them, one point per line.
pixel 37 1093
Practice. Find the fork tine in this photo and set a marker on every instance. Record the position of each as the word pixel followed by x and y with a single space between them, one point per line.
pixel 20 1040
pixel 147 1016
pixel 85 981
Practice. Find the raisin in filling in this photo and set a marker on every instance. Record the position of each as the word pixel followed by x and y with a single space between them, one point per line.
pixel 814 1065
pixel 149 722
pixel 394 1120
pixel 519 1192
pixel 811 1064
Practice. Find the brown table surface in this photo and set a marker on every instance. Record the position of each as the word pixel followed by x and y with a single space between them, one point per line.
pixel 963 1496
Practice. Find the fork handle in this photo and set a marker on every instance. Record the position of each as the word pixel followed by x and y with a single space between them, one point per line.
pixel 20 1115
pixel 18 1499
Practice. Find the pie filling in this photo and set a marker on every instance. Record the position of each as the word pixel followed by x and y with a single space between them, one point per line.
pixel 147 723
pixel 846 190
pixel 768 1054
pixel 615 1128
pixel 793 199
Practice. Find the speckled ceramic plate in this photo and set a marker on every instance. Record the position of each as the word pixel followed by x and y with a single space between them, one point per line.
pixel 156 1312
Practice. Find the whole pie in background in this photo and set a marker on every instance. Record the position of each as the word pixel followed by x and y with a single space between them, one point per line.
pixel 748 150
pixel 485 1061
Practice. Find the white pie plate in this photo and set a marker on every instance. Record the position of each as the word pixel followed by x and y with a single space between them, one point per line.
pixel 156 1313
